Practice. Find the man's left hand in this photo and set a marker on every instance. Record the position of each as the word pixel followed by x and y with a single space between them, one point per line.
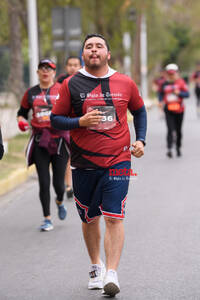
pixel 138 149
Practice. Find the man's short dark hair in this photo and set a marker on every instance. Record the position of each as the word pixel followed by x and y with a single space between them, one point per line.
pixel 89 36
pixel 72 56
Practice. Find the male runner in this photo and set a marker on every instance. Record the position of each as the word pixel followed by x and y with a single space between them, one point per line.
pixel 93 105
pixel 72 65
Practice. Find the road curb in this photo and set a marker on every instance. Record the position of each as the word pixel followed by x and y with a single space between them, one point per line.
pixel 17 177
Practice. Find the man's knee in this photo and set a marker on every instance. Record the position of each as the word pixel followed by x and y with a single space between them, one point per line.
pixel 113 221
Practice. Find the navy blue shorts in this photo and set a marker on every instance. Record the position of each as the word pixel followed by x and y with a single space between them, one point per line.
pixel 101 191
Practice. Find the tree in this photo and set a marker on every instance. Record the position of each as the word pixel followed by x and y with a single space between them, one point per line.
pixel 172 27
pixel 16 59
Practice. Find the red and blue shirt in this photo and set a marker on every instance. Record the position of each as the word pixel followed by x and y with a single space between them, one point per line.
pixel 98 148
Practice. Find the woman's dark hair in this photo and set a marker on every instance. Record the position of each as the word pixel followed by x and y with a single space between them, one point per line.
pixel 89 36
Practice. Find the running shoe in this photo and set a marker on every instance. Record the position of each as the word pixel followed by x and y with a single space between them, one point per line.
pixel 111 284
pixel 96 273
pixel 46 226
pixel 169 154
pixel 178 152
pixel 62 211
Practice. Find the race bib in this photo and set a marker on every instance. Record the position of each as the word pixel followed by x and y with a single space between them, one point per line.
pixel 173 106
pixel 172 97
pixel 42 113
pixel 108 120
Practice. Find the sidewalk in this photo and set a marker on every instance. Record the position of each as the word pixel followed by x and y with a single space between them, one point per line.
pixel 17 177
pixel 13 169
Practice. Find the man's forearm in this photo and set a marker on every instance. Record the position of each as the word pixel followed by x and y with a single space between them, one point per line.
pixel 140 123
pixel 63 122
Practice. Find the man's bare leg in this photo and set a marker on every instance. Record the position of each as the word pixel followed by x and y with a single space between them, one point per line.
pixel 113 242
pixel 92 237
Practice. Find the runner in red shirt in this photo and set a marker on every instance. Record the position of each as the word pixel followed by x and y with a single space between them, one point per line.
pixel 196 79
pixel 47 145
pixel 93 105
pixel 171 96
pixel 72 65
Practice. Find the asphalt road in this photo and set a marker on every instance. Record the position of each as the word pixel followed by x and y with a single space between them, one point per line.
pixel 161 257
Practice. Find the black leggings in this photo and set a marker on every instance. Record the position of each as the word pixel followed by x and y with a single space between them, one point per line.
pixel 42 160
pixel 174 124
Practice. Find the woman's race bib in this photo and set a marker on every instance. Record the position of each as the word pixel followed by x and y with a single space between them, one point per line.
pixel 42 113
pixel 108 120
pixel 173 106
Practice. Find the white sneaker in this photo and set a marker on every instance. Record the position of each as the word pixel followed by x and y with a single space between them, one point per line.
pixel 96 273
pixel 111 284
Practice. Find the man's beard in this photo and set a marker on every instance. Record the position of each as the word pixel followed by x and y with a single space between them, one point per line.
pixel 93 66
pixel 96 66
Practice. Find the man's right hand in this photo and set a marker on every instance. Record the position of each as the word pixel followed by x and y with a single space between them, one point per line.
pixel 91 118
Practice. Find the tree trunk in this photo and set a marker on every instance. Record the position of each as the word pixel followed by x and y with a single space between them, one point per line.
pixel 136 54
pixel 16 83
pixel 99 20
